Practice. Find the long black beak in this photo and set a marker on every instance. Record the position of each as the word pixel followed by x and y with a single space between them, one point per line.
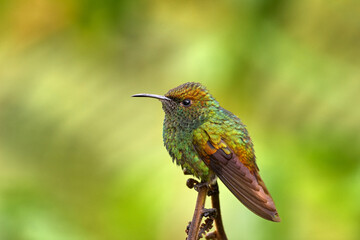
pixel 151 96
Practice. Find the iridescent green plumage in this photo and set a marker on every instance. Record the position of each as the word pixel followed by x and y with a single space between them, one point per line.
pixel 208 141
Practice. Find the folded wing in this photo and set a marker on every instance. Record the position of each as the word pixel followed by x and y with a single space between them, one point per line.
pixel 245 184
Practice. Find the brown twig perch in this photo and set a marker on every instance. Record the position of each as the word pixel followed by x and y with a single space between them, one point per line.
pixel 200 202
pixel 215 201
pixel 214 213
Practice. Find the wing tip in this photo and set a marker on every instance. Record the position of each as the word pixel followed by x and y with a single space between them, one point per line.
pixel 275 218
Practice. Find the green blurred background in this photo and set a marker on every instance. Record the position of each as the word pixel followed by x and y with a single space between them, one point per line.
pixel 81 160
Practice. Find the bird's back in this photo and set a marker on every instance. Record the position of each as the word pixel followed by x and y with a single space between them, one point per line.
pixel 223 143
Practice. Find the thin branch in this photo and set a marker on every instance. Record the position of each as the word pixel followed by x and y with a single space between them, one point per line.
pixel 194 229
pixel 198 213
pixel 220 232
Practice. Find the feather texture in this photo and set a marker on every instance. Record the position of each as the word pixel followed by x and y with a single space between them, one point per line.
pixel 247 186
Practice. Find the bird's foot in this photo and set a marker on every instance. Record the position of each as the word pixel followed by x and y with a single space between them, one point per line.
pixel 213 190
pixel 192 183
pixel 200 185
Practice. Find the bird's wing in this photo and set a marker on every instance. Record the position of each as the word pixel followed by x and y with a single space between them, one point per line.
pixel 243 182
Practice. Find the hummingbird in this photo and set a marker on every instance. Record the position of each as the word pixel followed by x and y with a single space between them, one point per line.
pixel 210 142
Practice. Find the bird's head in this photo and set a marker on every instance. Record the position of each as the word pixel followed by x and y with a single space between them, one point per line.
pixel 187 105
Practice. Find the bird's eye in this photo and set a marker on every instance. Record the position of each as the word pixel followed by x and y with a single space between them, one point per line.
pixel 186 102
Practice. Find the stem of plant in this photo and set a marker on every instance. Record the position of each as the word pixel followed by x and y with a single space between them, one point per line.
pixel 220 232
pixel 195 223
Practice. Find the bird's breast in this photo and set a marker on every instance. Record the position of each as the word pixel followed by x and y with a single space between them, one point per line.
pixel 180 146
